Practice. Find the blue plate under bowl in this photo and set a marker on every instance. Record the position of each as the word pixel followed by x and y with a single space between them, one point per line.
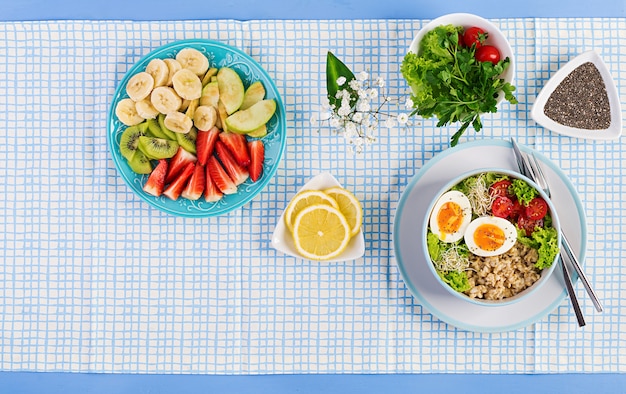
pixel 219 55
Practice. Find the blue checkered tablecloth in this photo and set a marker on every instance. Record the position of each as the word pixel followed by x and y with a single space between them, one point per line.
pixel 92 279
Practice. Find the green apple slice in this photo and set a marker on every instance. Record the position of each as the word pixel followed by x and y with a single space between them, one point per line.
pixel 258 133
pixel 248 120
pixel 210 94
pixel 231 89
pixel 254 94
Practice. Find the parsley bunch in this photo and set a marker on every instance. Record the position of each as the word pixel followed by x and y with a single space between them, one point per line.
pixel 447 81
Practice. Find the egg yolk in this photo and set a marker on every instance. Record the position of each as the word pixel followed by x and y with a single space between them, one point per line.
pixel 489 237
pixel 450 218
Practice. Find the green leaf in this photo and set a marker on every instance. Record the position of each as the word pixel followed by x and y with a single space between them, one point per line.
pixel 335 69
pixel 455 138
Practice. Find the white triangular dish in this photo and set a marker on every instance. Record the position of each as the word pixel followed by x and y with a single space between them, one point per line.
pixel 283 242
pixel 614 130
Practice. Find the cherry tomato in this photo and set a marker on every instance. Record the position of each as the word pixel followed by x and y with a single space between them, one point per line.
pixel 536 209
pixel 502 207
pixel 474 35
pixel 528 225
pixel 488 53
pixel 500 188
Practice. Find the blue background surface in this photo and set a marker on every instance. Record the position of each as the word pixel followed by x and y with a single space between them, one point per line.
pixel 27 382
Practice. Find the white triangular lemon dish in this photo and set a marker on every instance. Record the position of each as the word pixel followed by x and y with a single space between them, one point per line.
pixel 283 241
pixel 580 100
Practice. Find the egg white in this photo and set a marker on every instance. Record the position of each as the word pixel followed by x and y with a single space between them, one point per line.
pixel 510 234
pixel 463 202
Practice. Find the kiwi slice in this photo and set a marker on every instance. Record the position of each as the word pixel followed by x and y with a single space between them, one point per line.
pixel 140 164
pixel 143 126
pixel 129 141
pixel 158 148
pixel 168 133
pixel 141 148
pixel 154 130
pixel 188 141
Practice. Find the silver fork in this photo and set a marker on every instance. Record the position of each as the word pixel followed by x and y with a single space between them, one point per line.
pixel 526 169
pixel 543 183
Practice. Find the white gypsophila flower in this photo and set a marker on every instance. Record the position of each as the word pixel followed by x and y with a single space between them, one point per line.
pixel 372 93
pixel 334 122
pixel 351 129
pixel 380 82
pixel 341 81
pixel 403 118
pixel 409 103
pixel 363 76
pixel 313 120
pixel 363 106
pixel 357 117
pixel 390 123
pixel 362 93
pixel 355 84
pixel 345 109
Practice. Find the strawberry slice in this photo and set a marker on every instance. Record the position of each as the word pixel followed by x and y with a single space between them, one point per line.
pixel 196 184
pixel 219 176
pixel 257 155
pixel 178 163
pixel 211 192
pixel 205 143
pixel 236 172
pixel 238 146
pixel 175 188
pixel 156 181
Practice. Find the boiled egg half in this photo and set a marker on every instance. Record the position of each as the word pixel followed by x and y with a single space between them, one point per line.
pixel 450 216
pixel 490 236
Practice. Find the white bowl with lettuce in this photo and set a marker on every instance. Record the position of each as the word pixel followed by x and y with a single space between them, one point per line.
pixel 459 66
pixel 492 236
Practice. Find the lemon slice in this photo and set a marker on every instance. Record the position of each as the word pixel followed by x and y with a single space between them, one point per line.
pixel 321 232
pixel 349 206
pixel 305 199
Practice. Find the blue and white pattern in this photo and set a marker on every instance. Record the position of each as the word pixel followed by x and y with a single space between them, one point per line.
pixel 93 279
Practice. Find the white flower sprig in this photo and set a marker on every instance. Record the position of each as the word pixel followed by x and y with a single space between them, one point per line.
pixel 356 108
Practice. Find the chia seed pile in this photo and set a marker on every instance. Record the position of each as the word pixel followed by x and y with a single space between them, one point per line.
pixel 580 100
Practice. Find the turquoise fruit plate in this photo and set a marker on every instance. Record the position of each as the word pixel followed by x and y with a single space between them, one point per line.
pixel 219 55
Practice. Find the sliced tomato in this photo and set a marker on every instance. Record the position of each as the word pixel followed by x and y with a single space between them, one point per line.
pixel 528 225
pixel 536 209
pixel 500 188
pixel 502 207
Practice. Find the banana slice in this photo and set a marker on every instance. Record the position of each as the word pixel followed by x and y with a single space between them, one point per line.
pixel 140 86
pixel 159 71
pixel 173 67
pixel 193 60
pixel 165 99
pixel 187 84
pixel 184 106
pixel 204 117
pixel 145 109
pixel 178 122
pixel 127 113
pixel 191 108
pixel 209 74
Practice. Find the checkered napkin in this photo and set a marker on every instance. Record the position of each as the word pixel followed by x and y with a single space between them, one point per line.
pixel 93 279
